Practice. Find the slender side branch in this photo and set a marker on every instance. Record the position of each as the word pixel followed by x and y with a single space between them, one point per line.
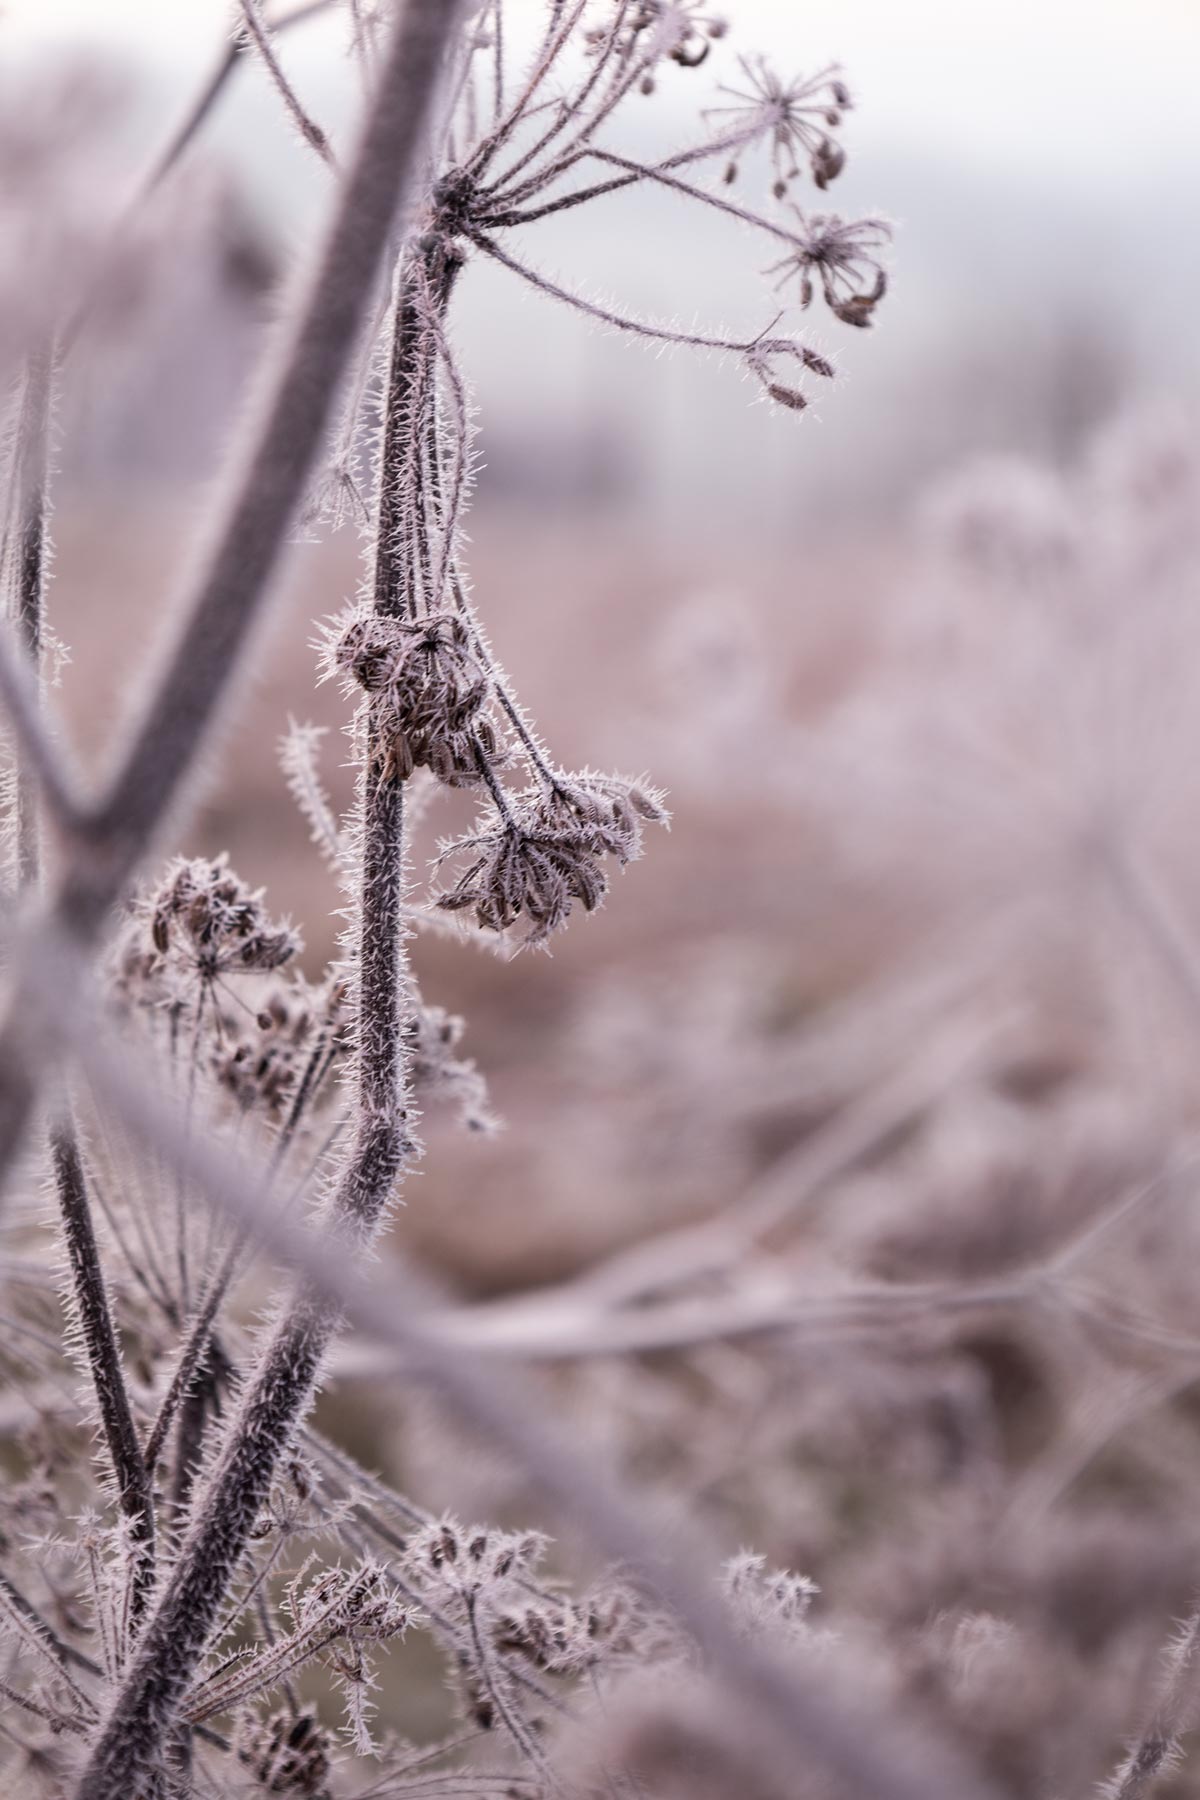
pixel 305 124
pixel 38 763
pixel 37 768
pixel 660 333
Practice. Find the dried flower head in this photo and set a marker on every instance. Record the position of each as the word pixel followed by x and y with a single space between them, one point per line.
pixel 205 921
pixel 794 117
pixel 439 1074
pixel 427 684
pixel 260 1057
pixel 845 256
pixel 287 1753
pixel 546 850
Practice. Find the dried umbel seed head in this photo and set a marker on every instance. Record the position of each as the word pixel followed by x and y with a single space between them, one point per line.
pixel 844 256
pixel 793 117
pixel 679 31
pixel 614 806
pixel 768 1601
pixel 260 1058
pixel 287 1753
pixel 466 1557
pixel 428 685
pixel 205 920
pixel 438 1073
pixel 555 1635
pixel 546 853
pixel 358 1602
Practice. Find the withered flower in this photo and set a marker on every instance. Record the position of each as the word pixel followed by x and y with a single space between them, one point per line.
pixel 428 686
pixel 844 255
pixel 546 851
pixel 207 922
pixel 794 117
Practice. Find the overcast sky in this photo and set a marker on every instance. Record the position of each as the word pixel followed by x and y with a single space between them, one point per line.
pixel 1040 156
pixel 1087 84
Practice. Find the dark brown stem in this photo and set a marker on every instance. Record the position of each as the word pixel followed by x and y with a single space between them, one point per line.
pixel 104 1360
pixel 89 1291
pixel 189 1440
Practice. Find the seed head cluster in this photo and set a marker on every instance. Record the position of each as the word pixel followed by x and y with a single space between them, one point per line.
pixel 427 685
pixel 547 851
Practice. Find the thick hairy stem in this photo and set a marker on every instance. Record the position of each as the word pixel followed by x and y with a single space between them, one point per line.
pixel 232 588
pixel 104 1361
pixel 425 284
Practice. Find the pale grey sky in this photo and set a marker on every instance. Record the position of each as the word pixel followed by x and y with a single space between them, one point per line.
pixel 1040 156
pixel 1083 83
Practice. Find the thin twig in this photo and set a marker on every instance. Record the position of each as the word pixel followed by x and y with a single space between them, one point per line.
pixel 305 124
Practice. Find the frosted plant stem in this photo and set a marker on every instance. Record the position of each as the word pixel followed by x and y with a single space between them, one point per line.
pixel 1158 1749
pixel 89 1291
pixel 230 592
pixel 99 1339
pixel 301 118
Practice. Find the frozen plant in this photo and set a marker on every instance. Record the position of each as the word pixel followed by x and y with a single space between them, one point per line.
pixel 164 1614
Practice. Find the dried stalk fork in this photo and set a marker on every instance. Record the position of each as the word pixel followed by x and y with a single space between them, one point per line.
pixel 238 561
